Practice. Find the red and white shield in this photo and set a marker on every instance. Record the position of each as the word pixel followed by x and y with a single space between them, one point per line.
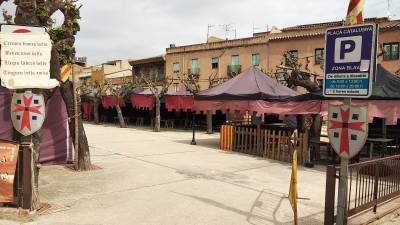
pixel 27 112
pixel 348 129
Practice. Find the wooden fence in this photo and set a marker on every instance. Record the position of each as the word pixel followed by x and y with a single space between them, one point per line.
pixel 269 143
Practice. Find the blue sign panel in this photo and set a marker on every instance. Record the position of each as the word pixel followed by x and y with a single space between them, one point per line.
pixel 350 61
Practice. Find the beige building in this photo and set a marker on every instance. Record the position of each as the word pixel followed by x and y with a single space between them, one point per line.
pixel 225 58
pixel 117 71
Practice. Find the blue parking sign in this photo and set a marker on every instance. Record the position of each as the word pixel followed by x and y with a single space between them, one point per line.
pixel 350 61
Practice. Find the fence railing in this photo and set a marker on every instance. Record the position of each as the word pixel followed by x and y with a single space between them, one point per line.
pixel 269 143
pixel 369 184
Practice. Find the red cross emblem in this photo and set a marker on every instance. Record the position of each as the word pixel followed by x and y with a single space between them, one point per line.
pixel 27 112
pixel 348 129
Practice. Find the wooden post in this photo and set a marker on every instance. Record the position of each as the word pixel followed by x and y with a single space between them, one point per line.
pixel 384 135
pixel 27 179
pixel 342 192
pixel 306 148
pixel 76 116
pixel 330 195
pixel 209 123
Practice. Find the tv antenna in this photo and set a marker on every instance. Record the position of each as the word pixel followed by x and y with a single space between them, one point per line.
pixel 259 28
pixel 389 6
pixel 228 29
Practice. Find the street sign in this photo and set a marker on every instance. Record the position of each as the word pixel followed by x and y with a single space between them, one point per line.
pixel 25 57
pixel 348 129
pixel 350 61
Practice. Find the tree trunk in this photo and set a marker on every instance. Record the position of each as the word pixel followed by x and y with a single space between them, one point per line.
pixel 157 127
pixel 84 163
pixel 209 123
pixel 96 105
pixel 121 120
pixel 316 127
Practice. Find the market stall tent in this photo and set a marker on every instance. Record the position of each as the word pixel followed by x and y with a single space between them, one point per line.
pixel 242 93
pixel 142 98
pixel 180 100
pixel 384 102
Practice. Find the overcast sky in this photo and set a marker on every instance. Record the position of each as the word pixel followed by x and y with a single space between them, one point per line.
pixel 118 29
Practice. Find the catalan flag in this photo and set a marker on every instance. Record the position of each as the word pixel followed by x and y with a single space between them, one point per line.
pixel 293 187
pixel 66 71
pixel 355 13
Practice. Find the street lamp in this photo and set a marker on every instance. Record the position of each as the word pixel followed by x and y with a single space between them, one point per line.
pixel 193 129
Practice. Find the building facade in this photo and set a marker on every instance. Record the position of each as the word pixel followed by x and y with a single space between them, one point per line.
pixel 149 68
pixel 117 72
pixel 226 58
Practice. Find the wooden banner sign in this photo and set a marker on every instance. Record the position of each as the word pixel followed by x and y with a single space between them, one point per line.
pixel 8 164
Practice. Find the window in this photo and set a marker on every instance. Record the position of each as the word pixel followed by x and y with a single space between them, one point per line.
pixel 215 63
pixel 176 67
pixel 391 51
pixel 195 66
pixel 319 56
pixel 235 60
pixel 255 59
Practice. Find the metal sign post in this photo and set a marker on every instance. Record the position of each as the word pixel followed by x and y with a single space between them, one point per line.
pixel 350 63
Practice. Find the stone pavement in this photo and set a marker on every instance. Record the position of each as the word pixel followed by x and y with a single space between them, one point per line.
pixel 158 178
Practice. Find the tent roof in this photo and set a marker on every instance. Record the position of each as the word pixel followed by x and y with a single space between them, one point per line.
pixel 251 84
pixel 386 87
pixel 145 91
pixel 181 92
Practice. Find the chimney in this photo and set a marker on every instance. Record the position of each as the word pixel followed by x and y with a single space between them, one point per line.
pixel 172 45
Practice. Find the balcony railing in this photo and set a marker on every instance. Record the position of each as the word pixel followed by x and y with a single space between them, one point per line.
pixel 194 71
pixel 234 70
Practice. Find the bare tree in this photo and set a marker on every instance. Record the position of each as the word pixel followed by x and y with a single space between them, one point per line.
pixel 158 88
pixel 214 80
pixel 118 91
pixel 92 91
pixel 293 74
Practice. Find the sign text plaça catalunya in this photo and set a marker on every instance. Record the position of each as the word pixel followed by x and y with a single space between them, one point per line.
pixel 350 31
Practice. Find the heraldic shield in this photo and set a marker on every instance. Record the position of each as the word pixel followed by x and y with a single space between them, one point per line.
pixel 348 129
pixel 27 112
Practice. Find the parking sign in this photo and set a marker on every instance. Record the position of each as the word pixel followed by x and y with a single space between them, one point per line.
pixel 350 61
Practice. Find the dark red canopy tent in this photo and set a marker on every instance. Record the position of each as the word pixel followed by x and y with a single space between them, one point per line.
pixel 180 100
pixel 242 93
pixel 109 102
pixel 384 103
pixel 143 98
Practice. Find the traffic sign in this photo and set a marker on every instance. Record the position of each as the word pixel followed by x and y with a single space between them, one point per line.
pixel 350 61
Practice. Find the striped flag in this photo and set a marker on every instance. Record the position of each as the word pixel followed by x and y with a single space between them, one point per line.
pixel 293 187
pixel 355 13
pixel 66 71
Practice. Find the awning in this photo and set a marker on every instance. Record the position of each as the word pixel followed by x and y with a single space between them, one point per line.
pixel 388 109
pixel 109 102
pixel 180 100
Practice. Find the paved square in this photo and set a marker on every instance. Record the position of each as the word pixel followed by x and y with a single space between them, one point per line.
pixel 158 178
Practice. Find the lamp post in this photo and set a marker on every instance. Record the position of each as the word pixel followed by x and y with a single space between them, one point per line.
pixel 193 129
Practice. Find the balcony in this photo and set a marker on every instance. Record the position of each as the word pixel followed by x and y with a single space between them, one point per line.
pixel 234 70
pixel 194 71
